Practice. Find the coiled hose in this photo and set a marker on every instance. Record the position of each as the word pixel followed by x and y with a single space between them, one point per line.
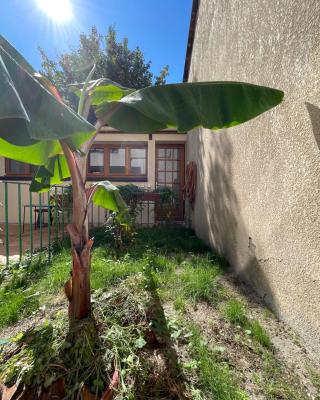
pixel 189 189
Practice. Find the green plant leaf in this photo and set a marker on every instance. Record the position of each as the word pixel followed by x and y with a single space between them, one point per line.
pixel 110 89
pixel 107 93
pixel 16 55
pixel 140 343
pixel 36 154
pixel 30 114
pixel 108 196
pixel 52 173
pixel 213 105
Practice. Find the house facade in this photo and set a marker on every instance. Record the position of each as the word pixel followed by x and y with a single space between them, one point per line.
pixel 258 191
pixel 150 161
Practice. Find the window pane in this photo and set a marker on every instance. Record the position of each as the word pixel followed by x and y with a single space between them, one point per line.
pixel 117 161
pixel 161 177
pixel 138 161
pixel 17 167
pixel 172 154
pixel 169 177
pixel 175 177
pixel 138 153
pixel 96 161
pixel 175 165
pixel 138 166
pixel 161 153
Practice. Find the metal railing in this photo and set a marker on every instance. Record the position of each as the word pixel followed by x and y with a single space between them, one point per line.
pixel 35 221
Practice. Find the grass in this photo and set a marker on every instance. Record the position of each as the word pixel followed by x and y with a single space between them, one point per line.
pixel 131 289
pixel 84 355
pixel 259 334
pixel 26 286
pixel 279 383
pixel 235 312
pixel 315 378
pixel 215 378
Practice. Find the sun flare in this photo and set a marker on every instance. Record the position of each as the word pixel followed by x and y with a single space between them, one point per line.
pixel 57 10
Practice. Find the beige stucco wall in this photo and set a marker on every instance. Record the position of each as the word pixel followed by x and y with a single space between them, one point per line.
pixel 258 189
pixel 109 136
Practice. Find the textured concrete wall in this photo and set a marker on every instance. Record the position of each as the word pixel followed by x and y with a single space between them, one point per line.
pixel 258 189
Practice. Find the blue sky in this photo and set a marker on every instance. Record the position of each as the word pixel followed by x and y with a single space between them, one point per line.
pixel 158 27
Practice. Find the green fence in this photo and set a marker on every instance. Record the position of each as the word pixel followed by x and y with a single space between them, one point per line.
pixel 32 221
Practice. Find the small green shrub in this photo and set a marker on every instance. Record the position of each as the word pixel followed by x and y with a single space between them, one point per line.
pixel 119 236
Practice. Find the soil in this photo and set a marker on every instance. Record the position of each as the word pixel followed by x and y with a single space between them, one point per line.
pixel 240 351
pixel 289 346
pixel 232 344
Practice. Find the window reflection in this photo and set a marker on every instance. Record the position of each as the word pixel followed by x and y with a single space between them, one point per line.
pixel 117 161
pixel 96 161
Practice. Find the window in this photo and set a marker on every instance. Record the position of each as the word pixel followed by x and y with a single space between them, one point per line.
pixel 118 160
pixel 18 168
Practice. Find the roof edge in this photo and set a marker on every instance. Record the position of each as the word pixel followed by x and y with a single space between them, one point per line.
pixel 192 30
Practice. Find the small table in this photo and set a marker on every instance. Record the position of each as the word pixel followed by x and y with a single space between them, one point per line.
pixel 37 209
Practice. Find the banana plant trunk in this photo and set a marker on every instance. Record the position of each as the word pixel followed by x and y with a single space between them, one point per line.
pixel 77 288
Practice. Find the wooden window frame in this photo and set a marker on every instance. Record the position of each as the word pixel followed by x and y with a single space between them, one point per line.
pixel 163 145
pixel 27 170
pixel 181 161
pixel 127 174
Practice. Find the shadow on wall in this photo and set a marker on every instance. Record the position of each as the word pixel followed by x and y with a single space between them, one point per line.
pixel 314 113
pixel 219 214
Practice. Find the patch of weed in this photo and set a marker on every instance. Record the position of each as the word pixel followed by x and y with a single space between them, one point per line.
pixel 14 304
pixel 280 383
pixel 199 284
pixel 215 379
pixel 259 333
pixel 85 353
pixel 179 304
pixel 315 379
pixel 235 312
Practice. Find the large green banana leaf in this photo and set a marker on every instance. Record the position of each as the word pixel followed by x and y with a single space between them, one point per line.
pixel 31 118
pixel 185 106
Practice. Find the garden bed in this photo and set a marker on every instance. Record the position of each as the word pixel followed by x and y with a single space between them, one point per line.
pixel 169 322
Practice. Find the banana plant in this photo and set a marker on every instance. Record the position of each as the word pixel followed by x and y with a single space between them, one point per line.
pixel 38 128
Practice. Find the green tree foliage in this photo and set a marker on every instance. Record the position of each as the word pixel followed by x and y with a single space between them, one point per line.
pixel 114 60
